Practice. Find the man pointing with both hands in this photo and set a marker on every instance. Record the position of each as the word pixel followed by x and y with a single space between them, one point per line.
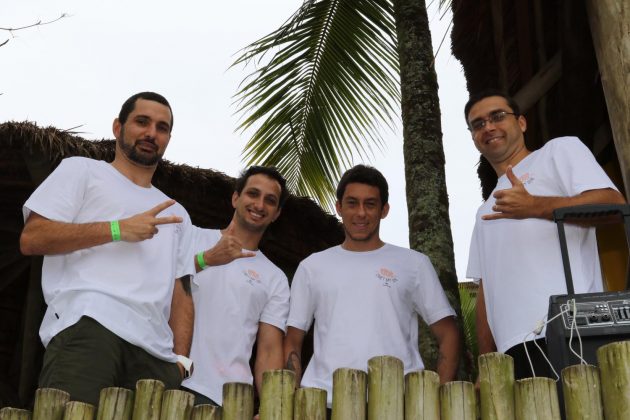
pixel 514 252
pixel 113 246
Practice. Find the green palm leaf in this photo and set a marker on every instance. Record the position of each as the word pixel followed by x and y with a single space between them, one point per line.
pixel 330 85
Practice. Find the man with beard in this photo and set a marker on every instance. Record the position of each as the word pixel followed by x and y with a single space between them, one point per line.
pixel 514 251
pixel 108 275
pixel 240 296
pixel 365 295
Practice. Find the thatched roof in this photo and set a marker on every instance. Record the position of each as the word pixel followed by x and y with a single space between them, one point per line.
pixel 506 44
pixel 28 154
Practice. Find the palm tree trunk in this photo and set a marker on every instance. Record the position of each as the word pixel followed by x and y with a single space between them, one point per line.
pixel 427 200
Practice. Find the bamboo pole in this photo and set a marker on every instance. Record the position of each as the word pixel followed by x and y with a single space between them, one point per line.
pixel 536 399
pixel 385 388
pixel 310 404
pixel 177 405
pixel 50 404
pixel 206 412
pixel 581 388
pixel 496 386
pixel 148 401
pixel 76 410
pixel 614 365
pixel 115 404
pixel 9 413
pixel 349 394
pixel 422 398
pixel 276 397
pixel 238 401
pixel 457 401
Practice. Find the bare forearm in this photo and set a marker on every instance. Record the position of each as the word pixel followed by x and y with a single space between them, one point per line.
pixel 485 340
pixel 292 347
pixel 270 360
pixel 544 206
pixel 182 317
pixel 449 344
pixel 46 237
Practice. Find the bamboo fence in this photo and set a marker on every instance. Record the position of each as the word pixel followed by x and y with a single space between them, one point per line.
pixel 589 393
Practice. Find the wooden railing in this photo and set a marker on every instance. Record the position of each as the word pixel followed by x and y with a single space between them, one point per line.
pixel 589 393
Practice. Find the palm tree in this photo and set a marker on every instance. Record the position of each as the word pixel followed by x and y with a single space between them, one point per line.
pixel 337 72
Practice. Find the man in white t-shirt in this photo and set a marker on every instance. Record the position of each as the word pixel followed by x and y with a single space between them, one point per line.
pixel 113 247
pixel 240 296
pixel 514 252
pixel 365 295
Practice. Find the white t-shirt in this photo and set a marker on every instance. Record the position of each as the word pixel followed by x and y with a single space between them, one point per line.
pixel 127 287
pixel 365 304
pixel 519 261
pixel 230 301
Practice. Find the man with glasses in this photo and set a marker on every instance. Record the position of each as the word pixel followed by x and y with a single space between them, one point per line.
pixel 514 252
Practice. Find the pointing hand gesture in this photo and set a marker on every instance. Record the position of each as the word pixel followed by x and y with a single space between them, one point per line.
pixel 228 249
pixel 143 226
pixel 512 203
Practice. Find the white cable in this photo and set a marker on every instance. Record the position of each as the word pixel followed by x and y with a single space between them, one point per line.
pixel 574 326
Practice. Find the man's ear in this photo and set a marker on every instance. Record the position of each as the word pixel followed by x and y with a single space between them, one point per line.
pixel 385 211
pixel 116 128
pixel 338 207
pixel 522 123
pixel 277 214
pixel 234 199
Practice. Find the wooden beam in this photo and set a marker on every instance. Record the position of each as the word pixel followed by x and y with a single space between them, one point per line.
pixel 496 7
pixel 538 86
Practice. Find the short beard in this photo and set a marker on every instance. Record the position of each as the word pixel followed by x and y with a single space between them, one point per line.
pixel 134 156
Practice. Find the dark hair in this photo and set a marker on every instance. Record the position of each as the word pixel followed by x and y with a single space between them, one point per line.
pixel 487 93
pixel 363 174
pixel 130 104
pixel 269 171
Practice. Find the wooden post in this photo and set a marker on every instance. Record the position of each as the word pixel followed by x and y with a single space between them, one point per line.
pixel 206 412
pixel 76 410
pixel 177 405
pixel 614 365
pixel 457 401
pixel 238 401
pixel 422 397
pixel 582 393
pixel 536 399
pixel 496 386
pixel 610 28
pixel 148 401
pixel 276 396
pixel 50 404
pixel 115 404
pixel 310 404
pixel 9 413
pixel 385 388
pixel 349 394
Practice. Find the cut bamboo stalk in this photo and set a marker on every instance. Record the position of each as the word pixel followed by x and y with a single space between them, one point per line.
pixel 536 399
pixel 614 365
pixel 115 404
pixel 148 400
pixel 238 401
pixel 496 386
pixel 422 397
pixel 349 394
pixel 9 413
pixel 310 404
pixel 50 404
pixel 385 388
pixel 206 412
pixel 276 397
pixel 76 410
pixel 581 388
pixel 457 401
pixel 177 405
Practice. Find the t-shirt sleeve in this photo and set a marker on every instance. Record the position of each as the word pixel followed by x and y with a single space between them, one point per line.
pixel 276 310
pixel 473 271
pixel 576 167
pixel 60 196
pixel 302 306
pixel 429 298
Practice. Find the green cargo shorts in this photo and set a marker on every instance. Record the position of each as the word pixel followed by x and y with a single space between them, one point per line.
pixel 86 357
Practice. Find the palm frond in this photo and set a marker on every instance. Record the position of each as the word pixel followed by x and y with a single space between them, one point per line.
pixel 330 84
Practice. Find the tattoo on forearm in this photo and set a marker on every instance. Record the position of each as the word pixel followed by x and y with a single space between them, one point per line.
pixel 293 361
pixel 186 285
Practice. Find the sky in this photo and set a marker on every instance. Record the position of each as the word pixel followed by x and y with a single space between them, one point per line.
pixel 78 71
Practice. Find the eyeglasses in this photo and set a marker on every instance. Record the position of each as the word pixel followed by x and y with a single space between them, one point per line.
pixel 494 118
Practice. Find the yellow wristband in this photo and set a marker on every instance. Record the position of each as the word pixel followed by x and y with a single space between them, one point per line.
pixel 201 261
pixel 115 227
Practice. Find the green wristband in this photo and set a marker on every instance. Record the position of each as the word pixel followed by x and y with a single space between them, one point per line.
pixel 201 261
pixel 115 227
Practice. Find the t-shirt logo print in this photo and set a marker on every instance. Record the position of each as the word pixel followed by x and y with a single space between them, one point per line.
pixel 252 277
pixel 387 277
pixel 526 178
